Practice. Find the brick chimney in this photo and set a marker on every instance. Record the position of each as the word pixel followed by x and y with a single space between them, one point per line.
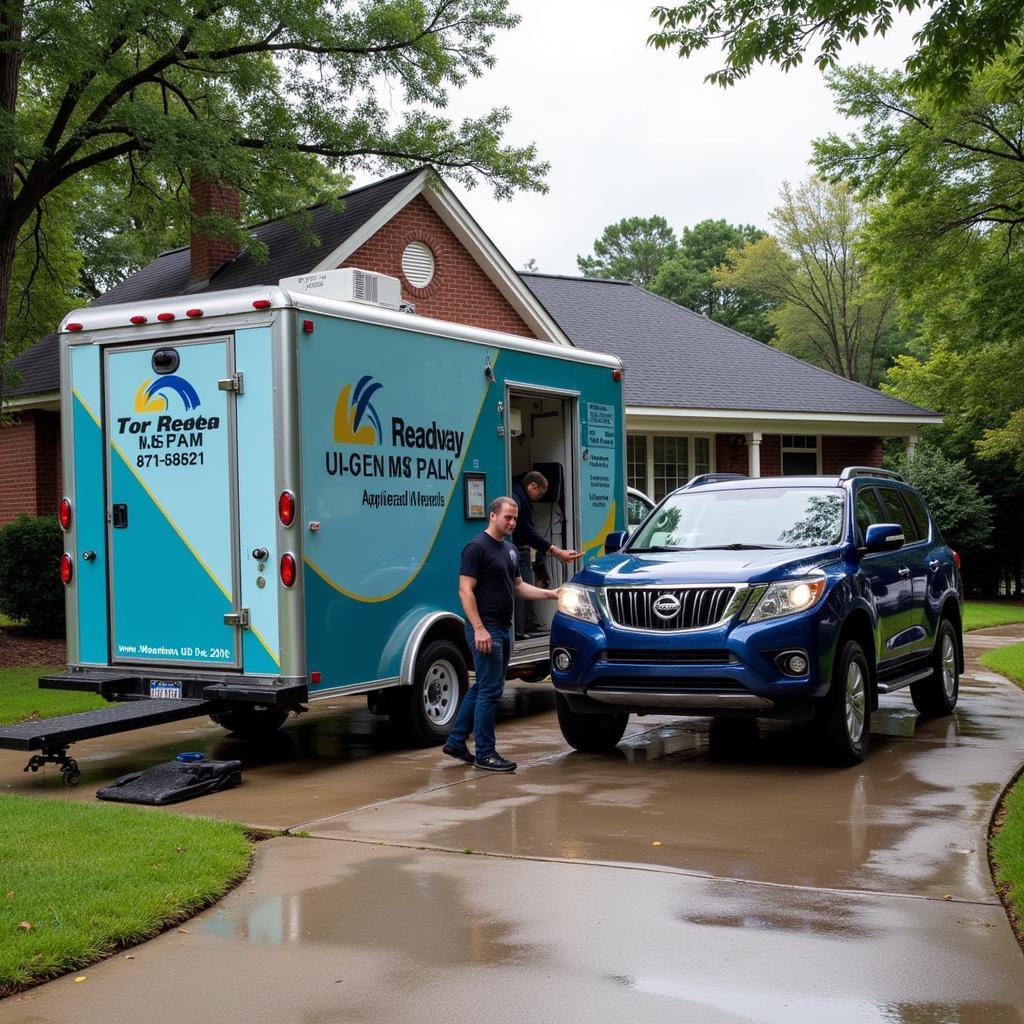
pixel 211 197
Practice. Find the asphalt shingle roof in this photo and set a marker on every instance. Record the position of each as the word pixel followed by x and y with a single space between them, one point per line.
pixel 676 358
pixel 37 368
pixel 288 253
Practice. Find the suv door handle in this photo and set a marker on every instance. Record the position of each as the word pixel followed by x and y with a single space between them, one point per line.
pixel 933 564
pixel 904 573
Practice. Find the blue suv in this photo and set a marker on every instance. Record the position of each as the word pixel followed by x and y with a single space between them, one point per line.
pixel 800 598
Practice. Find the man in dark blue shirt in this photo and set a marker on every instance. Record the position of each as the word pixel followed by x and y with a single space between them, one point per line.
pixel 532 487
pixel 488 578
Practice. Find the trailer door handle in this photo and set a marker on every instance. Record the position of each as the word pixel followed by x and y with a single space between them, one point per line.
pixel 119 516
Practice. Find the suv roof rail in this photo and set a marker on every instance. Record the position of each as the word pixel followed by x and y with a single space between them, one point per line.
pixel 712 478
pixel 852 471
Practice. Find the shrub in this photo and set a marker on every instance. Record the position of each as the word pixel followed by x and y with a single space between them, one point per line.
pixel 30 586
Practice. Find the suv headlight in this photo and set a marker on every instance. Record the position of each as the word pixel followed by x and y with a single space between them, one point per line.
pixel 575 601
pixel 788 598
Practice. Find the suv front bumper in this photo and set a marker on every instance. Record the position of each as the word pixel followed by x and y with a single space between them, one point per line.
pixel 732 667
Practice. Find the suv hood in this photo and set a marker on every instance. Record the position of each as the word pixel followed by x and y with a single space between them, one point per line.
pixel 672 568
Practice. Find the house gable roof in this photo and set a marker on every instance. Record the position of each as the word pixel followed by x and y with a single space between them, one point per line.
pixel 676 358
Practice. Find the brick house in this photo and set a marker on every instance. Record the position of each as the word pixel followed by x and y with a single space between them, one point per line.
pixel 700 397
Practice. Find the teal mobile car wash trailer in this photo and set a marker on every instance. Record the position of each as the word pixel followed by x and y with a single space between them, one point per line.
pixel 267 492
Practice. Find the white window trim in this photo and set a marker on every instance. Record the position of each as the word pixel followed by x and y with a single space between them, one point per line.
pixel 649 436
pixel 801 451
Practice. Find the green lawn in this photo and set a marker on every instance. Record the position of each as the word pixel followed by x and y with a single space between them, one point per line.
pixel 1008 661
pixel 82 881
pixel 981 614
pixel 21 698
pixel 1007 847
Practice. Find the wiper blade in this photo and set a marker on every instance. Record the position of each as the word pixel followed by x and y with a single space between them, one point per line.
pixel 658 547
pixel 741 547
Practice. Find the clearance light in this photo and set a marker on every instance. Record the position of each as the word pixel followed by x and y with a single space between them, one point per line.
pixel 165 316
pixel 193 312
pixel 307 326
pixel 616 375
pixel 314 677
pixel 261 304
pixel 66 568
pixel 64 514
pixel 73 327
pixel 288 569
pixel 286 508
pixel 137 319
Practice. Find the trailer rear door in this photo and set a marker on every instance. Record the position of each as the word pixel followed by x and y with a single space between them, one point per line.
pixel 171 503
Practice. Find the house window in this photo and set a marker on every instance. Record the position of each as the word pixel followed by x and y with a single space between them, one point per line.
pixel 636 461
pixel 800 455
pixel 659 463
pixel 418 264
pixel 671 464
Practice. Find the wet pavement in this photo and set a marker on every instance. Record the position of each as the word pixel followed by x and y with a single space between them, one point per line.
pixel 695 875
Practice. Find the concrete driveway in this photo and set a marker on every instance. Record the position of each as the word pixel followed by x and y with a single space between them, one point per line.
pixel 690 877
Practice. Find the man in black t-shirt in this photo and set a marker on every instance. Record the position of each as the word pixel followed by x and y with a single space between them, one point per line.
pixel 489 576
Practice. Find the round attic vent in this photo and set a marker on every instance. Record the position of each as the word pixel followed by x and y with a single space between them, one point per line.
pixel 418 264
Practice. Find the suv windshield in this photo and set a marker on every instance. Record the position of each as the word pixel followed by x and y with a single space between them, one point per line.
pixel 769 517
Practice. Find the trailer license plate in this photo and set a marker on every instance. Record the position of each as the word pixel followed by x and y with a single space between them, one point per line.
pixel 161 688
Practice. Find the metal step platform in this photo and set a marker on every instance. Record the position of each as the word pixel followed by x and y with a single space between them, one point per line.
pixel 53 736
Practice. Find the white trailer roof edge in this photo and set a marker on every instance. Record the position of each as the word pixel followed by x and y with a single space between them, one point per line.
pixel 240 300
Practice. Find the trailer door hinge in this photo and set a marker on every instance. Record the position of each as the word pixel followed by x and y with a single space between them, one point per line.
pixel 239 618
pixel 232 383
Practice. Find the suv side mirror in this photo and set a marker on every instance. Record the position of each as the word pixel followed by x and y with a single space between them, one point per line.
pixel 614 541
pixel 884 537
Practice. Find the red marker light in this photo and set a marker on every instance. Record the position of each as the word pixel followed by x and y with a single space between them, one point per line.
pixel 165 316
pixel 64 514
pixel 287 569
pixel 137 319
pixel 307 326
pixel 616 375
pixel 286 508
pixel 314 677
pixel 261 304
pixel 193 312
pixel 66 568
pixel 73 327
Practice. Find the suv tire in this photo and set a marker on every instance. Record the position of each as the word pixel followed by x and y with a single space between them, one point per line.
pixel 590 734
pixel 843 719
pixel 937 695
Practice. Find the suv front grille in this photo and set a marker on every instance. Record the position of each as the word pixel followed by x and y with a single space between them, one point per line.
pixel 692 657
pixel 666 609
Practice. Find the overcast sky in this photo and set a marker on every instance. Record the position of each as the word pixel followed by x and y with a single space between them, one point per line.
pixel 631 131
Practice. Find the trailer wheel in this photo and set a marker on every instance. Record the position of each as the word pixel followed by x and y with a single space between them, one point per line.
pixel 249 722
pixel 423 713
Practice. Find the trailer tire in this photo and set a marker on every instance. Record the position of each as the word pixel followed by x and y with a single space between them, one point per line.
pixel 423 712
pixel 251 723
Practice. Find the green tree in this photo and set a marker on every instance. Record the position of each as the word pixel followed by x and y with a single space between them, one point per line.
pixel 963 513
pixel 828 311
pixel 262 94
pixel 946 185
pixel 634 250
pixel 960 38
pixel 688 278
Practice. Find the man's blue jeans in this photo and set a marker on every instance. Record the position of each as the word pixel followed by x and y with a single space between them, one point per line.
pixel 478 710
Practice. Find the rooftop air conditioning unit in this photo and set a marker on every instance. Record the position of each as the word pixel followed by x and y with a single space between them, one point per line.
pixel 348 285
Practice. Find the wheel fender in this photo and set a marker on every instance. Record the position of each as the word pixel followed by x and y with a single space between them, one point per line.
pixel 424 627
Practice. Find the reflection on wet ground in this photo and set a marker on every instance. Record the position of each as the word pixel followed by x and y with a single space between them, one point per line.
pixel 704 872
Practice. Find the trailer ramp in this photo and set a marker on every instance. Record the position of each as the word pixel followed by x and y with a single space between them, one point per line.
pixel 52 736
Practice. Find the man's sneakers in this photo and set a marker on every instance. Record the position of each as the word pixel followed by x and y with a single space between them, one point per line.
pixel 494 763
pixel 459 753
